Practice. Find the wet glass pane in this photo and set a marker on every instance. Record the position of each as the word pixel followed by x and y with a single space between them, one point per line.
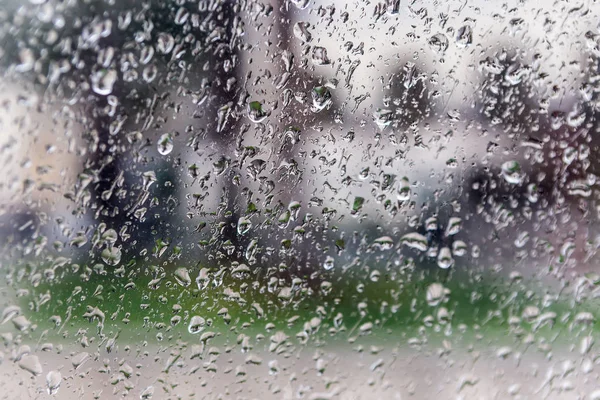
pixel 299 199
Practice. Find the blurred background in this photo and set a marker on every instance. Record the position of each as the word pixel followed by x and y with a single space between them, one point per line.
pixel 162 119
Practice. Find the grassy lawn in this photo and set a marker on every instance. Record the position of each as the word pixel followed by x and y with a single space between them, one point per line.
pixel 150 302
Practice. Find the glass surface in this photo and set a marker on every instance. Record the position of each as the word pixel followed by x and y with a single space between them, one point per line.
pixel 299 199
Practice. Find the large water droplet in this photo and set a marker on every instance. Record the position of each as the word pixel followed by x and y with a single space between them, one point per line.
pixel 511 172
pixel 182 276
pixel 319 56
pixel 256 112
pixel 165 144
pixel 329 263
pixel 196 325
pixel 444 259
pixel 301 31
pixel 111 255
pixel 415 240
pixel 53 380
pixel 464 36
pixel 438 43
pixel 103 81
pixel 31 364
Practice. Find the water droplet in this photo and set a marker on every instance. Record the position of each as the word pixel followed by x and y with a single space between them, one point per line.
pixel 182 276
pixel 196 325
pixel 53 380
pixel 147 393
pixel 444 259
pixel 522 239
pixel 31 364
pixel 404 190
pixel 321 97
pixel 415 241
pixel 111 255
pixel 384 243
pixel 383 117
pixel 79 359
pixel 301 31
pixel 319 56
pixel 165 43
pixel 464 36
pixel 300 4
pixel 586 344
pixel 454 225
pixel 329 263
pixel 438 43
pixel 181 16
pixel 435 294
pixel 255 112
pixel 503 352
pixel 103 81
pixel 511 172
pixel 244 225
pixel 459 248
pixel 165 144
pixel 9 313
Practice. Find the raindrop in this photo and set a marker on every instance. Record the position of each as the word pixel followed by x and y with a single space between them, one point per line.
pixel 196 325
pixel 511 172
pixel 321 97
pixel 464 36
pixel 53 380
pixel 165 144
pixel 31 364
pixel 384 243
pixel 165 43
pixel 454 225
pixel 255 112
pixel 301 31
pixel 404 191
pixel 415 241
pixel 147 393
pixel 182 276
pixel 319 56
pixel 438 43
pixel 329 263
pixel 444 259
pixel 459 248
pixel 111 255
pixel 244 225
pixel 301 4
pixel 383 117
pixel 435 294
pixel 103 81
